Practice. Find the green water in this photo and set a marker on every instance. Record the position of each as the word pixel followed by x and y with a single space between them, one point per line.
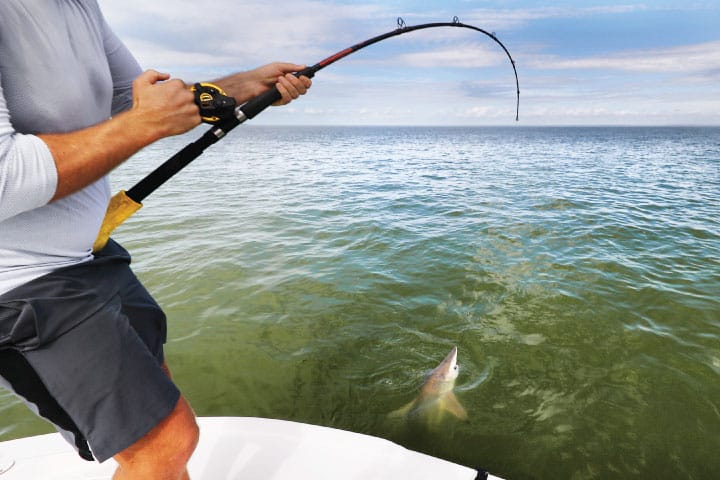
pixel 316 274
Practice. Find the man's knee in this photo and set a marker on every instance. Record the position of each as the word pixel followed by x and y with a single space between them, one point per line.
pixel 166 448
pixel 191 434
pixel 182 432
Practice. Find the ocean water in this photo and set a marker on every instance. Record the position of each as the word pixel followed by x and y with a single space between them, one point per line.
pixel 317 273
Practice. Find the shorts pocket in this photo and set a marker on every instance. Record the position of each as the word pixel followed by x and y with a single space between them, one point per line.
pixel 18 325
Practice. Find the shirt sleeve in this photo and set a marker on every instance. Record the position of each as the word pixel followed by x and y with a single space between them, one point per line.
pixel 28 176
pixel 124 68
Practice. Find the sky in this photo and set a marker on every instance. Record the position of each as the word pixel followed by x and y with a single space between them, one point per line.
pixel 579 63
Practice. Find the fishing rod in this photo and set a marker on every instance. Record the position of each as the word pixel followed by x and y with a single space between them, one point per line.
pixel 221 111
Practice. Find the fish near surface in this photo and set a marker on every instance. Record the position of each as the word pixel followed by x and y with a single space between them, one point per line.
pixel 436 394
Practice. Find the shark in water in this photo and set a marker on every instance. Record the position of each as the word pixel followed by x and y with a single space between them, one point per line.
pixel 436 395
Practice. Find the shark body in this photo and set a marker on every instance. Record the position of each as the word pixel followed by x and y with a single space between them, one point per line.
pixel 436 394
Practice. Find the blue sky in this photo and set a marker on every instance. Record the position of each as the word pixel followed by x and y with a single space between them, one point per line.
pixel 580 63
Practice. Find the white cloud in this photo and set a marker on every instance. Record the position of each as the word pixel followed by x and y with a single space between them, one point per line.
pixel 252 31
pixel 508 18
pixel 469 55
pixel 704 57
pixel 244 33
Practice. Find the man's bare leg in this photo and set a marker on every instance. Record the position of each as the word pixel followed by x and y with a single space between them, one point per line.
pixel 163 453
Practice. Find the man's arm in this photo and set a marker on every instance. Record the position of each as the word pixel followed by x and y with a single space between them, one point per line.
pixel 160 109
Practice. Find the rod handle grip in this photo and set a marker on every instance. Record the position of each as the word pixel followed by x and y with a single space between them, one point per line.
pixel 120 208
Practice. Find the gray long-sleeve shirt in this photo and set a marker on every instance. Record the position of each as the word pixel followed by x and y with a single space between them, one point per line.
pixel 61 69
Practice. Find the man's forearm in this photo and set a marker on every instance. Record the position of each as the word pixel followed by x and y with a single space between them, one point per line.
pixel 85 156
pixel 160 109
pixel 239 86
pixel 244 86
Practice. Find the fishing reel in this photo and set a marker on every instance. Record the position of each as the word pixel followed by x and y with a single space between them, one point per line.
pixel 215 105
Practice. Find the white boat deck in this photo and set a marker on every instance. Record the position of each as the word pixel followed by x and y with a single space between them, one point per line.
pixel 235 448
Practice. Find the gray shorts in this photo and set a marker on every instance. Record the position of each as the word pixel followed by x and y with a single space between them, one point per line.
pixel 83 346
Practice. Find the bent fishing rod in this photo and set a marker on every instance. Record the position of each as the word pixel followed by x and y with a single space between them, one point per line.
pixel 221 111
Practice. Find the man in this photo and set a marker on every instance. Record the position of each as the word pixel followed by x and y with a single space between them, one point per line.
pixel 81 340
